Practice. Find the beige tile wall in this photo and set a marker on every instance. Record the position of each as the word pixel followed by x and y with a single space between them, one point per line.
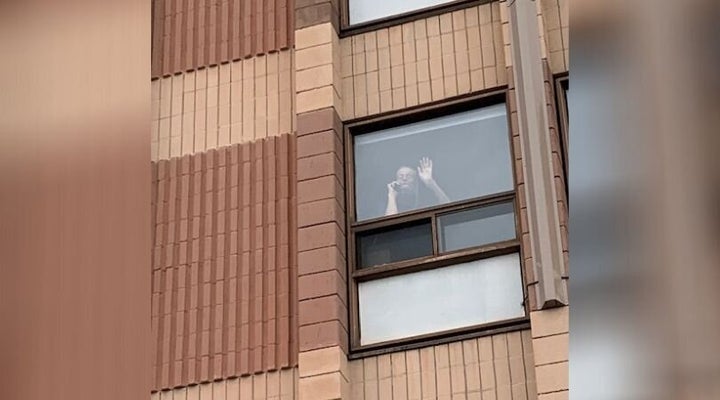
pixel 494 367
pixel 317 55
pixel 550 339
pixel 555 21
pixel 232 103
pixel 276 385
pixel 422 61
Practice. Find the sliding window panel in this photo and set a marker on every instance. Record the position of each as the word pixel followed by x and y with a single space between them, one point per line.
pixel 476 227
pixel 401 243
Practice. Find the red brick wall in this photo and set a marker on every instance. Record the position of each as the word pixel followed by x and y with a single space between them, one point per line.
pixel 224 266
pixel 189 34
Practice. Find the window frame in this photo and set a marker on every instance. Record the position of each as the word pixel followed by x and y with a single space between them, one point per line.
pixel 356 275
pixel 562 83
pixel 347 29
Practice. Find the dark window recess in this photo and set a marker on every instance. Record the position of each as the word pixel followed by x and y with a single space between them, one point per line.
pixel 562 85
pixel 395 244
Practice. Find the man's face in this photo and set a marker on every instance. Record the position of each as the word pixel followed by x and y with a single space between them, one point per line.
pixel 407 178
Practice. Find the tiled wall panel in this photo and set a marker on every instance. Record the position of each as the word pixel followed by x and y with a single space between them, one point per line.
pixel 189 34
pixel 276 385
pixel 555 19
pixel 493 367
pixel 224 263
pixel 422 61
pixel 232 103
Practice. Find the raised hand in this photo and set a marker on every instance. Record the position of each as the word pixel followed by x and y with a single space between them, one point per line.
pixel 425 171
pixel 425 175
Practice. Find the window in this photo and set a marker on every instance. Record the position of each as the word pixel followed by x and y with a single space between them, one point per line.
pixel 433 243
pixel 365 12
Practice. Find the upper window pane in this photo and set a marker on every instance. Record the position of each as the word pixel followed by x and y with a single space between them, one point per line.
pixel 368 10
pixel 424 164
pixel 476 227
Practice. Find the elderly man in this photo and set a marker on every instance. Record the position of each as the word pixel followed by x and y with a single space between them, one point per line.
pixel 404 191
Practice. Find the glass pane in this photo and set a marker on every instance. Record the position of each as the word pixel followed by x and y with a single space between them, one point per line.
pixel 398 244
pixel 476 227
pixel 424 164
pixel 368 10
pixel 440 299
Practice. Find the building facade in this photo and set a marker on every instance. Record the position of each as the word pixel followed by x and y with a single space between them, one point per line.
pixel 359 199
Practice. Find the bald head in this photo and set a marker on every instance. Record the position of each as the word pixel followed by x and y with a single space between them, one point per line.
pixel 406 178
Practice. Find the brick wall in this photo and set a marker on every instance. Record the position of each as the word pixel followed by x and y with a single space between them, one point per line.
pixel 224 263
pixel 555 17
pixel 249 262
pixel 190 34
pixel 276 385
pixel 425 60
pixel 232 103
pixel 493 367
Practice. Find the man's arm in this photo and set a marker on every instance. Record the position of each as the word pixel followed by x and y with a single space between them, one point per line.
pixel 391 208
pixel 425 174
pixel 438 192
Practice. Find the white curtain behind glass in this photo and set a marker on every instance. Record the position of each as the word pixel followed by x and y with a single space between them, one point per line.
pixel 368 10
pixel 440 299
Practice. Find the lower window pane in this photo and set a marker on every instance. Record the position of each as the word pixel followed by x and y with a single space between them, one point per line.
pixel 397 244
pixel 440 299
pixel 476 227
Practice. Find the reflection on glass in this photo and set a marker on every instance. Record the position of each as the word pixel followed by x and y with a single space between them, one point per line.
pixel 476 227
pixel 368 10
pixel 432 162
pixel 440 299
pixel 398 244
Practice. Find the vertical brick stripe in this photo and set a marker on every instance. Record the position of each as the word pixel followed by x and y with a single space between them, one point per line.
pixel 190 34
pixel 292 239
pixel 223 263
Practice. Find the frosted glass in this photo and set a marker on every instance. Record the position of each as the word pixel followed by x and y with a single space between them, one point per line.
pixel 440 299
pixel 368 10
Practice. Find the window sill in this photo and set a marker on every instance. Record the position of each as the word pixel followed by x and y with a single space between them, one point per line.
pixel 439 338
